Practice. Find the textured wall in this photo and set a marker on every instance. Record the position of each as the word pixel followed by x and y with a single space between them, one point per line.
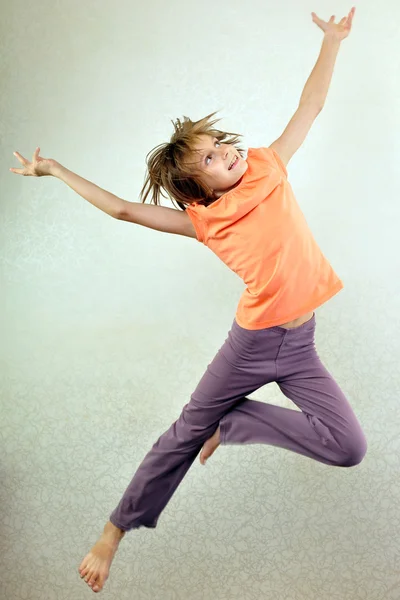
pixel 107 327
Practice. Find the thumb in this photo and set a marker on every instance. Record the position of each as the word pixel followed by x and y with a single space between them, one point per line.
pixel 317 20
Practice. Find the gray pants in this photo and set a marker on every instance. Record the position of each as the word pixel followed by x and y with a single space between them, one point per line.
pixel 326 430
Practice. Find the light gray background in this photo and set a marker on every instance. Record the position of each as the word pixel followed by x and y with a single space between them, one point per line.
pixel 107 327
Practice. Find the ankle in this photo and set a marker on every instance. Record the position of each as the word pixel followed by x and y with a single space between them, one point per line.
pixel 113 533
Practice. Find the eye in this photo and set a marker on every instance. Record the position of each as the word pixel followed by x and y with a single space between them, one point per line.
pixel 209 156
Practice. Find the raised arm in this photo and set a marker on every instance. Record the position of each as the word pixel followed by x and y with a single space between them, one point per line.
pixel 316 89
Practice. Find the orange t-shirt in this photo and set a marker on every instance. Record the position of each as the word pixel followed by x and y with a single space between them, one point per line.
pixel 259 231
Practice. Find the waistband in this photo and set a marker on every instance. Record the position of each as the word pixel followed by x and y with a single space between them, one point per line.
pixel 308 325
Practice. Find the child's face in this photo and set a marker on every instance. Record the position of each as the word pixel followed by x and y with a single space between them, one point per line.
pixel 213 163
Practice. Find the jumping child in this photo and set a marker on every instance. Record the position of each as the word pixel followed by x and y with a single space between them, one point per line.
pixel 245 211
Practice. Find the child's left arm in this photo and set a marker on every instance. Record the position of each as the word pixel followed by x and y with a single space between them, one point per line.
pixel 316 89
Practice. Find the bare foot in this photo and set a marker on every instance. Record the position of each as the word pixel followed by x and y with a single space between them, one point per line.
pixel 96 565
pixel 210 446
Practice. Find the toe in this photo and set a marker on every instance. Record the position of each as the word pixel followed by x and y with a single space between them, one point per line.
pixel 98 586
pixel 93 580
pixel 83 564
pixel 84 572
pixel 88 576
pixel 203 455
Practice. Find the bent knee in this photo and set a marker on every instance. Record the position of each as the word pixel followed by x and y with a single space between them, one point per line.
pixel 355 453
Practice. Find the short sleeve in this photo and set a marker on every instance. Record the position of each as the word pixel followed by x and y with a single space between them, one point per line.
pixel 278 161
pixel 269 156
pixel 198 223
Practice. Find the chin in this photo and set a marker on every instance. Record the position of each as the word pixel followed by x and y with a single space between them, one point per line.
pixel 241 169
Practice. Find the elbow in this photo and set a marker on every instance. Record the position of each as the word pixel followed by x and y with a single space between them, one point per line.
pixel 316 103
pixel 119 212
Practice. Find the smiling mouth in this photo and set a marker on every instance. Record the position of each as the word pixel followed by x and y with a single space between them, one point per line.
pixel 233 164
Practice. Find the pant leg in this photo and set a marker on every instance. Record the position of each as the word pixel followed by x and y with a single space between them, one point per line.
pixel 228 378
pixel 326 430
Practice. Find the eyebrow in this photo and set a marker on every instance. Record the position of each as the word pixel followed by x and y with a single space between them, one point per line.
pixel 203 153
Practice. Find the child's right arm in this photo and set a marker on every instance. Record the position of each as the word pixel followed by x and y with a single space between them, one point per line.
pixel 156 217
pixel 161 218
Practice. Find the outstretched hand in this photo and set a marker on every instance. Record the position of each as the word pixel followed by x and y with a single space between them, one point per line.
pixel 37 168
pixel 340 30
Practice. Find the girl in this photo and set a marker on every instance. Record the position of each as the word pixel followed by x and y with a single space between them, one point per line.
pixel 244 210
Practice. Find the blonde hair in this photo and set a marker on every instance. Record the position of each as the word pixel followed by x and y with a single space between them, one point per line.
pixel 169 169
